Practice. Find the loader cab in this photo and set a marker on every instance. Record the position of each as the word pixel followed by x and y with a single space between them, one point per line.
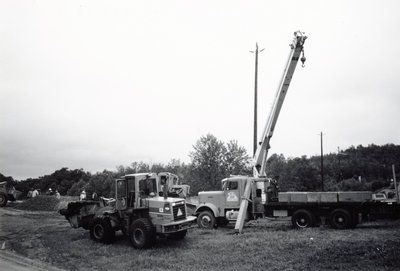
pixel 133 188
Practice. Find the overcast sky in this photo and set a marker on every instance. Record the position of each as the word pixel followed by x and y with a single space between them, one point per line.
pixel 97 84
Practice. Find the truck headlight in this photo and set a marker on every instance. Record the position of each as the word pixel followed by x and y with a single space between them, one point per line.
pixel 167 208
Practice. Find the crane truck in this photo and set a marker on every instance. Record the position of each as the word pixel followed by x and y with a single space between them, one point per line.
pixel 230 204
pixel 140 210
pixel 244 198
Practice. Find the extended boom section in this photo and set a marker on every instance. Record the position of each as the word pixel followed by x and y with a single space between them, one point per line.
pixel 260 156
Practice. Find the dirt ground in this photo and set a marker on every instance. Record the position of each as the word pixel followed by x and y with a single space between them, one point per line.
pixel 43 240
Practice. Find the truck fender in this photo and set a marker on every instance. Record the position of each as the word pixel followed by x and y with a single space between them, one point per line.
pixel 207 206
pixel 108 212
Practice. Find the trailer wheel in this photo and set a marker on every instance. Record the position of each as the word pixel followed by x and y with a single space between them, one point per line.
pixel 178 235
pixel 206 220
pixel 302 219
pixel 142 233
pixel 340 219
pixel 102 231
pixel 3 199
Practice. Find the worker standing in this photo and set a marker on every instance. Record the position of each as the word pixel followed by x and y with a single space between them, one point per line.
pixel 83 195
pixel 35 193
pixel 29 193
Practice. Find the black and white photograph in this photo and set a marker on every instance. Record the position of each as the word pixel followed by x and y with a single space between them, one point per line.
pixel 199 135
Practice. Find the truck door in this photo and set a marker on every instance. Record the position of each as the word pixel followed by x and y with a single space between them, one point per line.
pixel 232 196
pixel 121 195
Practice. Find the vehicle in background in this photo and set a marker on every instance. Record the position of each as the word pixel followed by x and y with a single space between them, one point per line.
pixel 7 193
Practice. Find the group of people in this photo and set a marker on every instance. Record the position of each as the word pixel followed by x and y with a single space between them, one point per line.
pixel 35 192
pixel 82 196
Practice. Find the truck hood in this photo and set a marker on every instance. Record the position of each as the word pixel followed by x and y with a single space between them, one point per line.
pixel 161 199
pixel 207 196
pixel 210 193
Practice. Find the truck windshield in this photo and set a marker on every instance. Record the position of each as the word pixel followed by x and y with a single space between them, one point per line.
pixel 121 188
pixel 148 186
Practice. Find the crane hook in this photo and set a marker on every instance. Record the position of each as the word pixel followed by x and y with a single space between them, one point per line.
pixel 303 59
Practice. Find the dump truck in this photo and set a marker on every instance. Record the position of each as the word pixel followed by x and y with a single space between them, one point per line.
pixel 178 190
pixel 7 193
pixel 140 210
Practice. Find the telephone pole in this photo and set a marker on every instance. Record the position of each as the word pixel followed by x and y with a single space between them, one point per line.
pixel 322 163
pixel 255 143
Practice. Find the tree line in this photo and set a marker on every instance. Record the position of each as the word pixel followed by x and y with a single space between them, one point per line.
pixel 356 168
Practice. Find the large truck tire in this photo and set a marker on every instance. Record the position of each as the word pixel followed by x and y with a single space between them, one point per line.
pixel 3 199
pixel 142 234
pixel 102 231
pixel 340 219
pixel 302 219
pixel 178 235
pixel 206 220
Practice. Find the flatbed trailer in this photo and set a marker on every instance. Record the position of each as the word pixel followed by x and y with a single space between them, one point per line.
pixel 345 211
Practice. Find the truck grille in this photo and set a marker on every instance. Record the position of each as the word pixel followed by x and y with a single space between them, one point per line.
pixel 179 212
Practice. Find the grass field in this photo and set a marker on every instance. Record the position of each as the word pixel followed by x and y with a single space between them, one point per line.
pixel 265 245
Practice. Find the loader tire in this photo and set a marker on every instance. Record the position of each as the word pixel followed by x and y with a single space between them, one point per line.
pixel 302 219
pixel 102 231
pixel 3 199
pixel 142 233
pixel 206 220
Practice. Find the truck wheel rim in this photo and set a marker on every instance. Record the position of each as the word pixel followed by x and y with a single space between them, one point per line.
pixel 340 220
pixel 138 236
pixel 206 220
pixel 98 231
pixel 302 222
pixel 2 199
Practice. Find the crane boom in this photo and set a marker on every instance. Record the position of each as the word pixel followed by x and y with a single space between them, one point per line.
pixel 260 157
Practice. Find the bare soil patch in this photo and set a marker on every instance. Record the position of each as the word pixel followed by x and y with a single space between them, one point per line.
pixel 46 236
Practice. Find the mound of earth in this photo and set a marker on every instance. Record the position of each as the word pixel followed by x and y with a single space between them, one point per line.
pixel 40 203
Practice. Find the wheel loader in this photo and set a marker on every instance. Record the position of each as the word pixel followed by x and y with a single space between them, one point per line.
pixel 140 210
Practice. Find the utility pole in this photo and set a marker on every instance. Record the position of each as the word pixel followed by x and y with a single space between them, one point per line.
pixel 395 184
pixel 340 168
pixel 322 163
pixel 255 143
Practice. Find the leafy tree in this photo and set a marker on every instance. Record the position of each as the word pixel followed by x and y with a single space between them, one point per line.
pixel 237 160
pixel 212 161
pixel 103 183
pixel 208 163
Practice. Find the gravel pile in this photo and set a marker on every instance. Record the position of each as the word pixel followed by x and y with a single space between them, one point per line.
pixel 39 203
